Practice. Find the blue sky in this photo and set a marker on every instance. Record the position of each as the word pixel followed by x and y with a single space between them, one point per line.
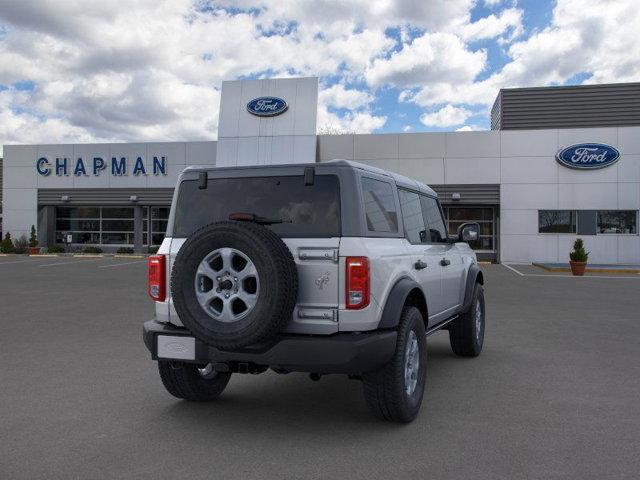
pixel 77 71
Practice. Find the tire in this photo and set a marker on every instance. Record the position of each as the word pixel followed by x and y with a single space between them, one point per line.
pixel 385 390
pixel 185 380
pixel 248 310
pixel 466 333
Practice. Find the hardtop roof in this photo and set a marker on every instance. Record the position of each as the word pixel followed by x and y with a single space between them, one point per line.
pixel 400 180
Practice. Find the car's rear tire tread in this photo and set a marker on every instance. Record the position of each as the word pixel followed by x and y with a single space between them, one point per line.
pixel 182 380
pixel 462 334
pixel 384 388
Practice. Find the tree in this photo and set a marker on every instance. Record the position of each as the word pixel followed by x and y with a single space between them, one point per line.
pixel 7 244
pixel 332 129
pixel 33 238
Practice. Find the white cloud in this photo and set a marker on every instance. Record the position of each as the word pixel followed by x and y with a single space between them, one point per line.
pixel 338 96
pixel 447 116
pixel 407 128
pixel 509 20
pixel 432 57
pixel 351 122
pixel 469 128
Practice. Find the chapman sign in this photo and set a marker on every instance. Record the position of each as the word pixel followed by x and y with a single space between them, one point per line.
pixel 96 165
pixel 267 106
pixel 588 156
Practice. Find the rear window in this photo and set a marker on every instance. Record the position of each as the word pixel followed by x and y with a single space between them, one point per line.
pixel 306 211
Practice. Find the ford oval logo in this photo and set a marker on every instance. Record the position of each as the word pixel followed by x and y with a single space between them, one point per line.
pixel 267 106
pixel 588 156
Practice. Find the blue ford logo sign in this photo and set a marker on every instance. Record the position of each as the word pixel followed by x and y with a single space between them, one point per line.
pixel 588 156
pixel 267 106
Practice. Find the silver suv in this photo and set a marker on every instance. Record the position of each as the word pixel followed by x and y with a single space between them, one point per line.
pixel 323 268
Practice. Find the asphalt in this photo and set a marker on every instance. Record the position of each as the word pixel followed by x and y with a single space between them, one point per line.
pixel 555 393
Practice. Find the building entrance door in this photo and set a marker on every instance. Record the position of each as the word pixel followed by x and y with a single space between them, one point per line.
pixel 486 247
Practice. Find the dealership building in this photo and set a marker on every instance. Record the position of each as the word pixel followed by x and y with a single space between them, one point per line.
pixel 559 163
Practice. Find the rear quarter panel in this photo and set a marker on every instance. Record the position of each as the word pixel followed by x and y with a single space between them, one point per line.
pixel 389 260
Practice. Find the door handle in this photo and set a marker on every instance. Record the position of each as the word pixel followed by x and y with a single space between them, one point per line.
pixel 444 262
pixel 419 265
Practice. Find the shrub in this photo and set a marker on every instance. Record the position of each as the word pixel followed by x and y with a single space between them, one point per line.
pixel 7 244
pixel 20 245
pixel 153 249
pixel 92 250
pixel 55 249
pixel 33 238
pixel 579 254
pixel 124 250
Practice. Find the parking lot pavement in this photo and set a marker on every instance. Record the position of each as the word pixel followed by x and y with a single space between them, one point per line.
pixel 554 394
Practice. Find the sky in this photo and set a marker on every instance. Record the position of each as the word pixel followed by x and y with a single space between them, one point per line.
pixel 76 71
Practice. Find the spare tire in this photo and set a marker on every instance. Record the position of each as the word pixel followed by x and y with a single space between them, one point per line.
pixel 234 284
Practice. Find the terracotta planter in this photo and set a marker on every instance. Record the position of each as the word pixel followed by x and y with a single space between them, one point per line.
pixel 578 268
pixel 34 250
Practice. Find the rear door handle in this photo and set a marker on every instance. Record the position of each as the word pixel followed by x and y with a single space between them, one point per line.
pixel 419 265
pixel 444 262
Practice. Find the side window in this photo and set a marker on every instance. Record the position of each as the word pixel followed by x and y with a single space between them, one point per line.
pixel 436 232
pixel 379 206
pixel 412 216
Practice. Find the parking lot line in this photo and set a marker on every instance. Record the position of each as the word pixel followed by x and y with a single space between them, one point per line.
pixel 121 264
pixel 617 277
pixel 21 261
pixel 513 269
pixel 69 263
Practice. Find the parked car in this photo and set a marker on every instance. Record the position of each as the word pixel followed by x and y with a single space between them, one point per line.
pixel 324 268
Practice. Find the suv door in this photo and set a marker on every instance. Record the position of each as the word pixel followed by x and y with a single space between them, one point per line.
pixel 425 256
pixel 450 259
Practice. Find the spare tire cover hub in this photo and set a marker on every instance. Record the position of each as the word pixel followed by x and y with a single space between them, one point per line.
pixel 227 284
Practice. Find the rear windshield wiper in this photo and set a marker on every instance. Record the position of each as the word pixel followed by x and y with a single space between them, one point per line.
pixel 252 217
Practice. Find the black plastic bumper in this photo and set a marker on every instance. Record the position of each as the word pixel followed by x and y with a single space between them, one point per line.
pixel 350 353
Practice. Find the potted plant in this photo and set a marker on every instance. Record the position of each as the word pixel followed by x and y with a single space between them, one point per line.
pixel 33 242
pixel 7 244
pixel 578 258
pixel 21 245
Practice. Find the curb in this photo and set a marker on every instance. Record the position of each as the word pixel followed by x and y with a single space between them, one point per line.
pixel 590 270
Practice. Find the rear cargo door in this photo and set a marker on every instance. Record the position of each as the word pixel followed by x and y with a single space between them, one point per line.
pixel 317 263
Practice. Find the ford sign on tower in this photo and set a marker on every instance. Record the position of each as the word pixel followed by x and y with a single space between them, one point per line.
pixel 267 106
pixel 588 156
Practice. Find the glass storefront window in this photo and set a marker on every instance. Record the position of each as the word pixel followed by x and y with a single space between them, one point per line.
pixel 159 220
pixel 78 212
pixel 456 216
pixel 556 221
pixel 95 225
pixel 618 221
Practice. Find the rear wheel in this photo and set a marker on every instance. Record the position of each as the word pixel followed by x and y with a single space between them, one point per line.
pixel 395 392
pixel 466 333
pixel 199 383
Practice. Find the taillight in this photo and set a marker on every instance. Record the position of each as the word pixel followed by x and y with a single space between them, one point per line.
pixel 156 277
pixel 357 282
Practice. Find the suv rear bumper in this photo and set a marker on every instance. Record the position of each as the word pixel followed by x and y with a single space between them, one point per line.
pixel 350 353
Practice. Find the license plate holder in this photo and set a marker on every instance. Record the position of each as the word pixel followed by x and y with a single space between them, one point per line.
pixel 176 347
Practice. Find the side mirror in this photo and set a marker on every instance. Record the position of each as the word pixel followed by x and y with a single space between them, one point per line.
pixel 468 232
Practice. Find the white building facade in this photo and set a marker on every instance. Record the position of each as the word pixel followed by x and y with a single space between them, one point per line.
pixel 531 207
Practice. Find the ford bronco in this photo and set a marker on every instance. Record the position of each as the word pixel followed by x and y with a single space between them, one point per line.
pixel 323 268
